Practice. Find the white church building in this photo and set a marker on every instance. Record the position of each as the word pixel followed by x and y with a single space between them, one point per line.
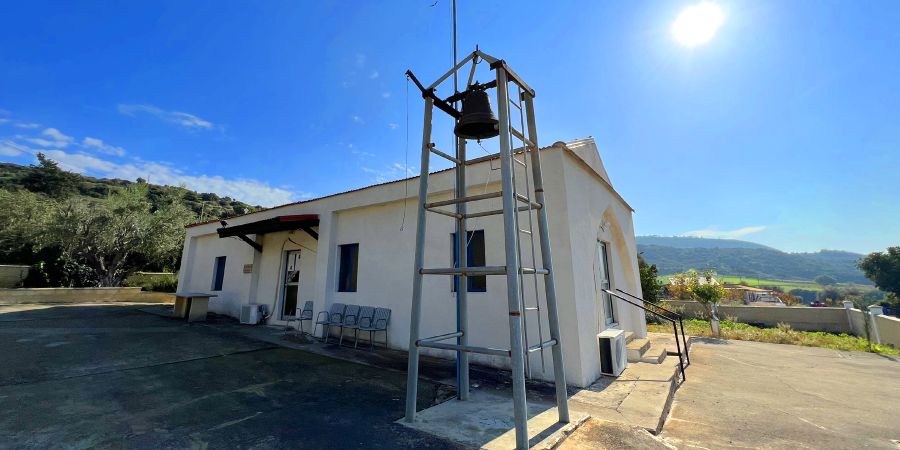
pixel 357 247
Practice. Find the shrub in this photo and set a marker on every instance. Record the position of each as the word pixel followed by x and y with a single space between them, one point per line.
pixel 155 282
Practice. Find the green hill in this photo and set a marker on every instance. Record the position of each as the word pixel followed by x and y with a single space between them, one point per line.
pixel 206 205
pixel 747 259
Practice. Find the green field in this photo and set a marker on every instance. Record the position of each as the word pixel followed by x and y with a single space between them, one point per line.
pixel 787 285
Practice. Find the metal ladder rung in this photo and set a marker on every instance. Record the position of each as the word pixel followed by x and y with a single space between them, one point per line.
pixel 521 136
pixel 468 271
pixel 446 213
pixel 525 231
pixel 527 200
pixel 516 104
pixel 542 345
pixel 440 337
pixel 532 308
pixel 532 270
pixel 470 198
pixel 521 163
pixel 499 211
pixel 465 348
pixel 442 154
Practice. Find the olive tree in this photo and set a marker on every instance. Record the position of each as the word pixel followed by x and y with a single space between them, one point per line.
pixel 708 292
pixel 102 239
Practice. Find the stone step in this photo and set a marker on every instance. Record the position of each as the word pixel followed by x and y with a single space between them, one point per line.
pixel 636 349
pixel 654 355
pixel 629 336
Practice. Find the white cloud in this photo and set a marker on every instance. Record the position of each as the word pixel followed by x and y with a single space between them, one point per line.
pixel 27 125
pixel 373 75
pixel 712 232
pixel 182 119
pixel 360 59
pixel 102 147
pixel 52 138
pixel 361 153
pixel 357 119
pixel 393 126
pixel 9 148
pixel 2 120
pixel 385 94
pixel 391 172
pixel 246 190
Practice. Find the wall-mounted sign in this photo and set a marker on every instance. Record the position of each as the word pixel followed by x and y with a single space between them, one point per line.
pixel 248 268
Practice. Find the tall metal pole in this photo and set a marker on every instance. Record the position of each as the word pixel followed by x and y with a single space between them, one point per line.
pixel 462 282
pixel 510 230
pixel 412 377
pixel 559 372
pixel 462 285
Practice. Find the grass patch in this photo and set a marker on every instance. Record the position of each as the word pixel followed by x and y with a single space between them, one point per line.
pixel 781 335
pixel 786 285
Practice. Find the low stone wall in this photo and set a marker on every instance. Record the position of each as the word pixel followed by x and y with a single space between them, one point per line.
pixel 832 320
pixel 805 318
pixel 889 330
pixel 12 275
pixel 82 295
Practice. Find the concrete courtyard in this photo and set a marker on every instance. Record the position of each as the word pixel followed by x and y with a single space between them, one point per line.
pixel 118 376
pixel 755 395
pixel 113 376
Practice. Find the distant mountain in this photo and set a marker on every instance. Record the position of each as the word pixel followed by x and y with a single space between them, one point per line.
pixel 734 257
pixel 696 242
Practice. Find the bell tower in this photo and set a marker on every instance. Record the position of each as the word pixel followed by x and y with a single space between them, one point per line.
pixel 523 207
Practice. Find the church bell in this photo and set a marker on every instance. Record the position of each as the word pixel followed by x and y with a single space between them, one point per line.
pixel 477 121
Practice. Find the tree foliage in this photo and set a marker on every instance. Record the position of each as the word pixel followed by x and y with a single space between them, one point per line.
pixel 883 268
pixel 46 177
pixel 651 287
pixel 95 242
pixel 825 280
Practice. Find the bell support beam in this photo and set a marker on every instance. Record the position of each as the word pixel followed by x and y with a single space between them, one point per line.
pixel 412 370
pixel 559 372
pixel 517 354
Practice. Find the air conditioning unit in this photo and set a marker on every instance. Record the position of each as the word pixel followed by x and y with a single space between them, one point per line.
pixel 252 314
pixel 613 356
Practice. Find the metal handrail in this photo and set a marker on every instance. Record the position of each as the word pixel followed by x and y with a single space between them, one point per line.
pixel 647 301
pixel 674 327
pixel 687 353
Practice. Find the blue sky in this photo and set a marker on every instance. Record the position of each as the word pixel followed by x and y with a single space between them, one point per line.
pixel 784 129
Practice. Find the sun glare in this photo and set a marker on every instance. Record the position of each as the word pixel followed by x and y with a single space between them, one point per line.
pixel 697 24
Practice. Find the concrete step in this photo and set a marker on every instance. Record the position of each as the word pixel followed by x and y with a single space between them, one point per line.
pixel 656 354
pixel 636 349
pixel 641 396
pixel 596 434
pixel 629 336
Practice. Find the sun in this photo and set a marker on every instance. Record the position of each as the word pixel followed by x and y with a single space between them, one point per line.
pixel 697 24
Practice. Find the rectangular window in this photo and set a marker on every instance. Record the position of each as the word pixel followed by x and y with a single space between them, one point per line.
pixel 218 273
pixel 474 258
pixel 348 267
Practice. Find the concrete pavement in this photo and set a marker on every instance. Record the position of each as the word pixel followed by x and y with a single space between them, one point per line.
pixel 112 376
pixel 755 395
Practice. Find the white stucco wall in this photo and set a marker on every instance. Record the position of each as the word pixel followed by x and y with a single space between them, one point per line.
pixel 578 200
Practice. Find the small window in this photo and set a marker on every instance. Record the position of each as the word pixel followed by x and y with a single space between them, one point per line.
pixel 474 258
pixel 349 267
pixel 218 273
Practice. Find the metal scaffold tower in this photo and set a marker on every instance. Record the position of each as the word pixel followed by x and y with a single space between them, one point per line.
pixel 476 122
